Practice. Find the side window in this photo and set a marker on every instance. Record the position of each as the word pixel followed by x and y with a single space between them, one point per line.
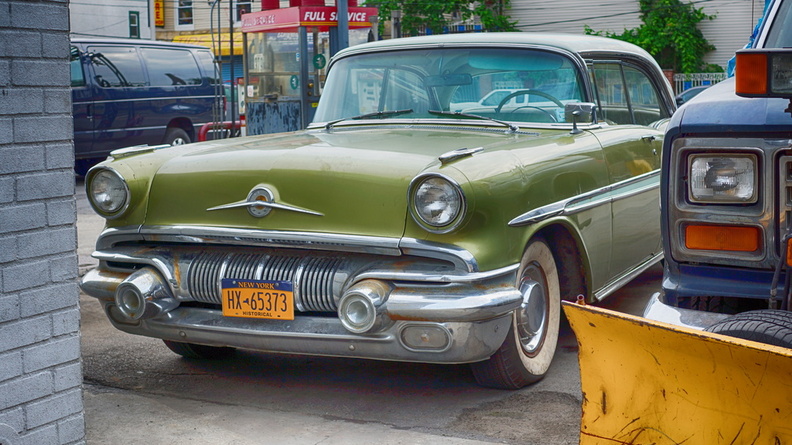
pixel 625 95
pixel 611 98
pixel 116 66
pixel 168 67
pixel 77 75
pixel 643 96
pixel 207 63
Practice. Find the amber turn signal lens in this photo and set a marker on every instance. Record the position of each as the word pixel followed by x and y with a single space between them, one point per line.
pixel 789 253
pixel 751 74
pixel 730 238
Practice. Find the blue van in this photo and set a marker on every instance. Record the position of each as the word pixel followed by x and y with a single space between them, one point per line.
pixel 129 92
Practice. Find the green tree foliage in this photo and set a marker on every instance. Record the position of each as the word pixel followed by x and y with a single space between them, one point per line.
pixel 438 14
pixel 670 33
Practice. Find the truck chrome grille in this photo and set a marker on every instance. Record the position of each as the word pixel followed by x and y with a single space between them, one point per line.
pixel 784 201
pixel 317 280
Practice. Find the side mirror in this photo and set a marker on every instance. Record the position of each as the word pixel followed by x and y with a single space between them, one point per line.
pixel 579 113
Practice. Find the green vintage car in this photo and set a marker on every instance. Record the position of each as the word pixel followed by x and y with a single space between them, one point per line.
pixel 411 221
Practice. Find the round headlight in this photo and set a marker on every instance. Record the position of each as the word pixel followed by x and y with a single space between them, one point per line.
pixel 437 202
pixel 107 192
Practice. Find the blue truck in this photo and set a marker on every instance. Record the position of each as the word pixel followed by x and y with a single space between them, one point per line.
pixel 726 197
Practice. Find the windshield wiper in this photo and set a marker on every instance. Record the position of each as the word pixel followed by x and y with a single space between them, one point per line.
pixel 375 115
pixel 457 114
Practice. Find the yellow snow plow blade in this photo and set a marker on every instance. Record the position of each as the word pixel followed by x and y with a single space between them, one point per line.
pixel 646 382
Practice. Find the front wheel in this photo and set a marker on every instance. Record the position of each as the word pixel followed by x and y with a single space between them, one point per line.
pixel 525 355
pixel 199 352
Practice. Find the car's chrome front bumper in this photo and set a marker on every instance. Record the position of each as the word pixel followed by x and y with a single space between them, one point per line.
pixel 429 314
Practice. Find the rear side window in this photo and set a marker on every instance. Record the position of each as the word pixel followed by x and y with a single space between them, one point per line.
pixel 77 75
pixel 116 66
pixel 206 60
pixel 169 67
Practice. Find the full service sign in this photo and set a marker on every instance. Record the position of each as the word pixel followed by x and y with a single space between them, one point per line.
pixel 288 19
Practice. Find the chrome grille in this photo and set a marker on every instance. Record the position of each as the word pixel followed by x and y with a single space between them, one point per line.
pixel 317 280
pixel 784 201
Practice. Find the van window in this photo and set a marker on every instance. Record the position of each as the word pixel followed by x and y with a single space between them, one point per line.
pixel 206 60
pixel 116 66
pixel 167 67
pixel 77 75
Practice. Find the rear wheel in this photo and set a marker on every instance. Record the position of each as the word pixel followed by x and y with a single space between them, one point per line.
pixel 772 327
pixel 176 136
pixel 200 352
pixel 525 355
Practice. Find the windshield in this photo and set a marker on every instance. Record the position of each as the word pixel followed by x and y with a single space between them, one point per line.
pixel 508 84
pixel 780 34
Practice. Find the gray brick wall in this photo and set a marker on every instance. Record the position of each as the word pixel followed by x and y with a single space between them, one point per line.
pixel 40 368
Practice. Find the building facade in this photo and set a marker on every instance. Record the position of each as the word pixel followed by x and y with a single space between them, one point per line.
pixel 112 18
pixel 729 31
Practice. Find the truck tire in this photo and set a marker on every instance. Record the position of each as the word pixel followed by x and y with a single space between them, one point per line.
pixel 772 327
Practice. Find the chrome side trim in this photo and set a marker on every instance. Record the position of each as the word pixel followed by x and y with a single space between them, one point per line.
pixel 588 200
pixel 627 277
pixel 460 257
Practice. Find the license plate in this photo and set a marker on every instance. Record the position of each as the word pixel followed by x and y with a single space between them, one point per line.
pixel 258 299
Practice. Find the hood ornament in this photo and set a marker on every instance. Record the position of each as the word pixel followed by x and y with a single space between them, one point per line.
pixel 260 201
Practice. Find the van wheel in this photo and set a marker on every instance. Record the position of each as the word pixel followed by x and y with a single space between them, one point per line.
pixel 773 327
pixel 176 136
pixel 200 352
pixel 525 355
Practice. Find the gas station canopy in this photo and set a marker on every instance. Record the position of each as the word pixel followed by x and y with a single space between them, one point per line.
pixel 290 19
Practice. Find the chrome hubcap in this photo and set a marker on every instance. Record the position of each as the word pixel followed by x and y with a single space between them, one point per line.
pixel 531 318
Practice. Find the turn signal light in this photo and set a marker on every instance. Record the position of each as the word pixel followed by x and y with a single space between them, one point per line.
pixel 751 74
pixel 789 253
pixel 728 238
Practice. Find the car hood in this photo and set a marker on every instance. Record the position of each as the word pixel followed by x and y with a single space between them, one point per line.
pixel 344 182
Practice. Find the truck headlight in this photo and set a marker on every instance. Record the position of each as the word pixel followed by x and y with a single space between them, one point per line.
pixel 723 178
pixel 107 192
pixel 437 203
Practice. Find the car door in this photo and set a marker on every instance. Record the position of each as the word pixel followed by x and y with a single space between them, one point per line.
pixel 629 105
pixel 118 76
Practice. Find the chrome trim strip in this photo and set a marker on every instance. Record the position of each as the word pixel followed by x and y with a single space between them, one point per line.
pixel 459 153
pixel 390 275
pixel 626 278
pixel 460 257
pixel 271 238
pixel 272 205
pixel 588 200
pixel 132 255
